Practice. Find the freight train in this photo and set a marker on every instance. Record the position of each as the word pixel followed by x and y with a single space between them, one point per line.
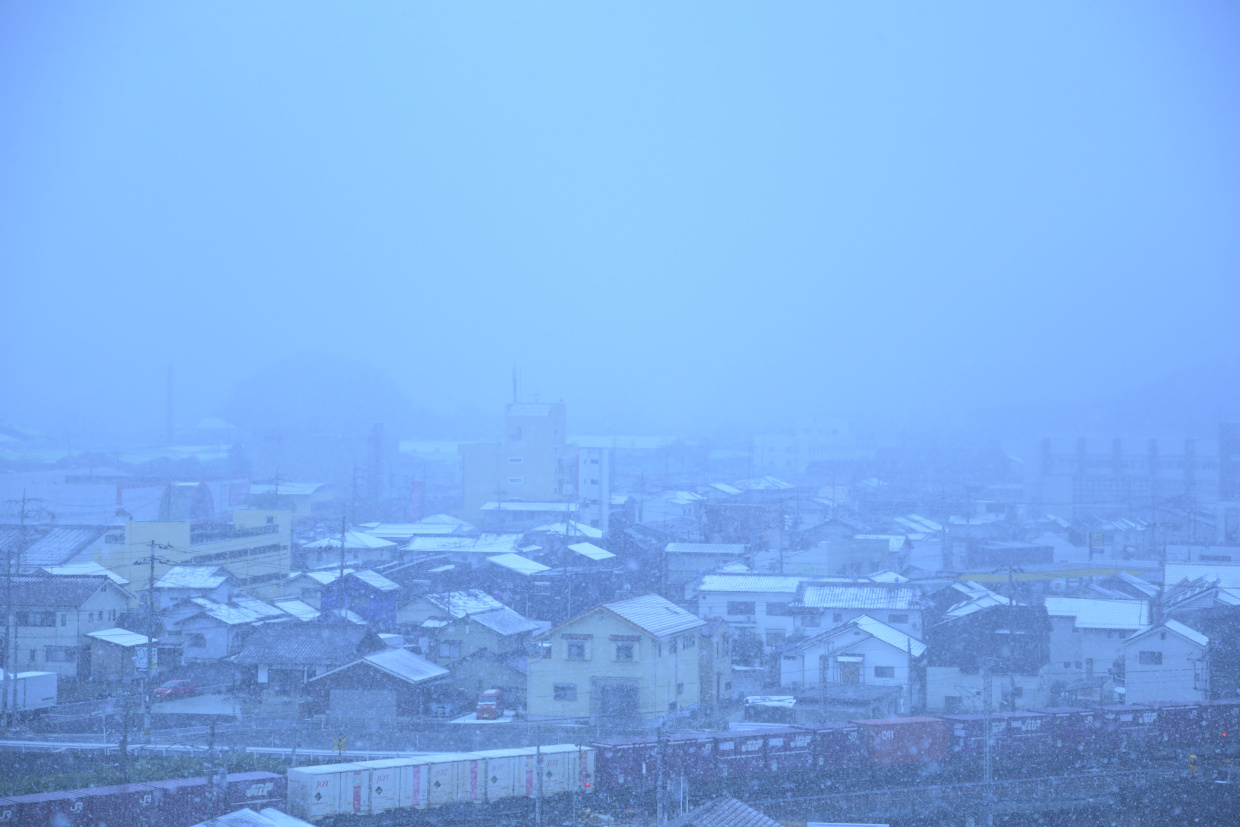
pixel 623 771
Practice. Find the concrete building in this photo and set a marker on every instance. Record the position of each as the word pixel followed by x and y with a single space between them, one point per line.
pixel 634 659
pixel 531 463
pixel 1086 641
pixel 253 548
pixel 1167 662
pixel 757 603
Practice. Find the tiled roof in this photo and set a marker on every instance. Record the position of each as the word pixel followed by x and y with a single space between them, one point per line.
pixel 734 549
pixel 654 614
pixel 310 644
pixel 724 812
pixel 865 596
pixel 750 583
pixel 1100 614
pixel 56 591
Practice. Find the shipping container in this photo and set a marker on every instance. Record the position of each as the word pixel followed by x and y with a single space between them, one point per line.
pixel 1020 735
pixel 625 764
pixel 1223 721
pixel 789 751
pixel 255 790
pixel 32 691
pixel 689 755
pixel 566 767
pixel 890 741
pixel 1069 728
pixel 837 745
pixel 1181 724
pixel 509 773
pixel 1125 727
pixel 184 801
pixel 395 783
pixel 741 752
pixel 331 789
pixel 447 779
pixel 128 804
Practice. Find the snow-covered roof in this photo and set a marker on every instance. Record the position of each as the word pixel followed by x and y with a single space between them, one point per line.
pixel 349 615
pixel 764 484
pixel 505 621
pixel 352 540
pixel 725 488
pixel 297 608
pixel 229 614
pixel 461 603
pixel 1226 576
pixel 732 549
pixel 256 606
pixel 519 564
pixel 1177 627
pixel 895 542
pixel 887 577
pixel 90 569
pixel 291 489
pixel 486 544
pixel 572 529
pixel 874 628
pixel 324 577
pixel 591 551
pixel 865 596
pixel 118 636
pixel 1088 613
pixel 654 614
pixel 378 581
pixel 570 508
pixel 752 583
pixel 204 578
pixel 405 665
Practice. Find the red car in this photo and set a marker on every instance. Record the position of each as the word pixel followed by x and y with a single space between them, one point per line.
pixel 173 689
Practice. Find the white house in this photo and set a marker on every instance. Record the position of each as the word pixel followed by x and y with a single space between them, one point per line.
pixel 1087 638
pixel 1167 662
pixel 861 652
pixel 755 602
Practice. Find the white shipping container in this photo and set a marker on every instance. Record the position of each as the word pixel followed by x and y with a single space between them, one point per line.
pixel 391 784
pixel 510 773
pixel 328 790
pixel 563 765
pixel 446 778
pixel 29 691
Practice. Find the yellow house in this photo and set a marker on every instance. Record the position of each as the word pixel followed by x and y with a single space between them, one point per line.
pixel 254 548
pixel 634 659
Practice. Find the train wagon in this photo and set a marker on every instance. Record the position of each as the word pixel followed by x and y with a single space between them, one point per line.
pixel 1069 728
pixel 836 746
pixel 128 804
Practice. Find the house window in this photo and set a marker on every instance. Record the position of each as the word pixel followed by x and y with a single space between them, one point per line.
pixel 565 691
pixel 624 651
pixel 690 641
pixel 112 615
pixel 36 618
pixel 680 689
pixel 837 617
pixel 671 707
pixel 897 618
pixel 33 652
pixel 740 607
pixel 449 648
pixel 671 647
pixel 576 650
pixel 1067 664
pixel 777 609
pixel 884 671
pixel 1149 658
pixel 64 620
pixel 196 641
pixel 774 638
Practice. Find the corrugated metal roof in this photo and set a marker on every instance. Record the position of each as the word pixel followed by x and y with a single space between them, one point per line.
pixel 61 544
pixel 654 614
pixel 750 583
pixel 1088 613
pixel 378 581
pixel 591 551
pixel 734 549
pixel 205 578
pixel 519 564
pixel 865 596
pixel 120 637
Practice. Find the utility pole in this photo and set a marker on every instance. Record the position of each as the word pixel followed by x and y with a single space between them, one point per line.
pixel 211 791
pixel 340 580
pixel 658 771
pixel 538 779
pixel 152 649
pixel 987 693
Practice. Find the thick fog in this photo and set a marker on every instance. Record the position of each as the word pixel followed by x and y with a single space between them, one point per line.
pixel 686 219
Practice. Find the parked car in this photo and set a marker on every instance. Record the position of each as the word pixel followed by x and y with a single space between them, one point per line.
pixel 174 689
pixel 490 704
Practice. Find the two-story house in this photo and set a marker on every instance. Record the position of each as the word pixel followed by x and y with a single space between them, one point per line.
pixel 634 659
pixel 1087 643
pixel 757 603
pixel 53 616
pixel 822 605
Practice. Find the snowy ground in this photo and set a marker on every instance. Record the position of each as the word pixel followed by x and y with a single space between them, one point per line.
pixel 199 705
pixel 471 718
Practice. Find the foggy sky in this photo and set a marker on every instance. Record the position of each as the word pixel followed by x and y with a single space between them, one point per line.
pixel 671 217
